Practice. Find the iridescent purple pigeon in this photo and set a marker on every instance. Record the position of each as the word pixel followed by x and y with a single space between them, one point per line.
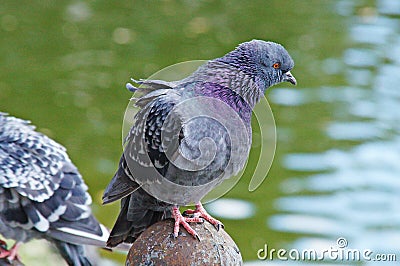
pixel 189 136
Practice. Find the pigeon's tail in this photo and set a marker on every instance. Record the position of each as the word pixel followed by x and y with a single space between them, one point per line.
pixel 133 220
pixel 73 254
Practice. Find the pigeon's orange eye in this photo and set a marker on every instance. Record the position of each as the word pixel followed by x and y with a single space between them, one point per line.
pixel 276 65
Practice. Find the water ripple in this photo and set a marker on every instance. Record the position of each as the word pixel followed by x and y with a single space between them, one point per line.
pixel 234 209
pixel 354 130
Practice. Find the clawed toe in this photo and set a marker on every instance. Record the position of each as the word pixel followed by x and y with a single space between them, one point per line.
pixel 180 220
pixel 201 212
pixel 198 215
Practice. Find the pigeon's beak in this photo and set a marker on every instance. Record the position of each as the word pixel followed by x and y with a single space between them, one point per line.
pixel 289 77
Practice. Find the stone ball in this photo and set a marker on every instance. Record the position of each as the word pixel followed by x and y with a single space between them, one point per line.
pixel 157 246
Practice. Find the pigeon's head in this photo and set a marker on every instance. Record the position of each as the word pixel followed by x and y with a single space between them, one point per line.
pixel 267 62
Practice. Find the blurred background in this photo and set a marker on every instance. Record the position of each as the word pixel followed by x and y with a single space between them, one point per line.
pixel 64 65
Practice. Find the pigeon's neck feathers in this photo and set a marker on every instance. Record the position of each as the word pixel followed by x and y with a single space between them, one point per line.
pixel 228 96
pixel 231 77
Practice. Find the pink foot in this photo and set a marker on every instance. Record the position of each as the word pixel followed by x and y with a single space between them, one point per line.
pixel 4 252
pixel 180 220
pixel 11 254
pixel 199 211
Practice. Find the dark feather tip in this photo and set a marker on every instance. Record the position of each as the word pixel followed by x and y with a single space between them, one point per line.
pixel 219 226
pixel 130 87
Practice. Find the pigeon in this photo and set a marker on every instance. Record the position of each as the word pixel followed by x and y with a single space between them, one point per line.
pixel 42 195
pixel 190 135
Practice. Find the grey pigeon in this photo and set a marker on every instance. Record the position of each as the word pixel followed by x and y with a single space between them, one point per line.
pixel 42 194
pixel 189 136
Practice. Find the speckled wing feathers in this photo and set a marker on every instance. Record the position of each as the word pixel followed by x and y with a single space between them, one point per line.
pixel 30 161
pixel 143 147
pixel 42 194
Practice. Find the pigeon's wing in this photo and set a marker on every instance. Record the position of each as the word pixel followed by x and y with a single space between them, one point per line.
pixel 169 127
pixel 30 162
pixel 143 152
pixel 121 185
pixel 75 224
pixel 41 189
